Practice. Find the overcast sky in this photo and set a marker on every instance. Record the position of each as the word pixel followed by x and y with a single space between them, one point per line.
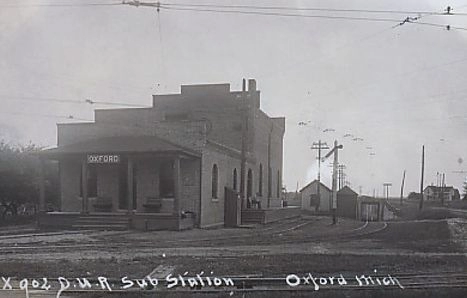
pixel 396 87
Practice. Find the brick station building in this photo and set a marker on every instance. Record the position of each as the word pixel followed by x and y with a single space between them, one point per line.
pixel 167 166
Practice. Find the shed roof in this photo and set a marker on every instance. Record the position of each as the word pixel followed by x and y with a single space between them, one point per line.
pixel 439 188
pixel 347 191
pixel 314 182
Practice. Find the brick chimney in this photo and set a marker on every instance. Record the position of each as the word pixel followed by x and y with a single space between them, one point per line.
pixel 253 93
pixel 251 85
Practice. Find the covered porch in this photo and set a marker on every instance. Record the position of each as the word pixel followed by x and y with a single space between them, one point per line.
pixel 144 183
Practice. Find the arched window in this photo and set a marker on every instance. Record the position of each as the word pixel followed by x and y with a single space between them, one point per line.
pixel 249 184
pixel 234 185
pixel 215 178
pixel 269 182
pixel 260 190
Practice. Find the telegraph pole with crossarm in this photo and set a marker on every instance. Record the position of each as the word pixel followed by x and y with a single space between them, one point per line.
pixel 318 146
pixel 335 151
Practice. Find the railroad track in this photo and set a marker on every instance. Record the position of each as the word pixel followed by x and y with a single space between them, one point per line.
pixel 117 235
pixel 287 233
pixel 288 225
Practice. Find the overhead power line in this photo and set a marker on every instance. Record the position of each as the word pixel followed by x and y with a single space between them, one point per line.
pixel 74 101
pixel 19 5
pixel 448 27
pixel 448 11
pixel 262 10
pixel 331 17
pixel 256 7
pixel 68 117
pixel 163 6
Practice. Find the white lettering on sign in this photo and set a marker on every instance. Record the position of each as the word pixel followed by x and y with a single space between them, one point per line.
pixel 104 158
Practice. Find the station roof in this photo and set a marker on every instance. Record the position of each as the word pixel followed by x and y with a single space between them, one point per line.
pixel 315 182
pixel 121 144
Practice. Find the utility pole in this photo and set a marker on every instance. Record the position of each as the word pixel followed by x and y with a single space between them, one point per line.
pixel 386 186
pixel 402 186
pixel 269 166
pixel 319 146
pixel 442 190
pixel 341 176
pixel 421 178
pixel 244 144
pixel 334 151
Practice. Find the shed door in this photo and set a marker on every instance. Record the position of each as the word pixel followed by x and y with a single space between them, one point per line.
pixel 232 207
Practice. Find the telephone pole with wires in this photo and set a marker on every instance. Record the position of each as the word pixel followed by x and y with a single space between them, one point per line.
pixel 386 188
pixel 335 151
pixel 341 175
pixel 319 146
pixel 421 178
pixel 402 186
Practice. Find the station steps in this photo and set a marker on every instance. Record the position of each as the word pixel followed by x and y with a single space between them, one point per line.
pixel 102 222
pixel 252 217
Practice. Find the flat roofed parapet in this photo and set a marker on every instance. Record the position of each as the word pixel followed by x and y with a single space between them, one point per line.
pixel 203 89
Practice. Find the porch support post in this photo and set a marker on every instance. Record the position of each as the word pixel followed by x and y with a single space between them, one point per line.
pixel 84 186
pixel 177 191
pixel 130 185
pixel 382 212
pixel 42 207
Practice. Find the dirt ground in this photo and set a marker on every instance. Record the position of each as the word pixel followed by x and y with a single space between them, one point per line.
pixel 309 244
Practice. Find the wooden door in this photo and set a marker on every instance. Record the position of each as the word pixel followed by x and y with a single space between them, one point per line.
pixel 232 208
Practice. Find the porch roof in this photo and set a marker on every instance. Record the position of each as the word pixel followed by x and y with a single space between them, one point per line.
pixel 121 144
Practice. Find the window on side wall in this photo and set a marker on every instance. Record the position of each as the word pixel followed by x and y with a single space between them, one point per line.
pixel 215 178
pixel 235 179
pixel 260 190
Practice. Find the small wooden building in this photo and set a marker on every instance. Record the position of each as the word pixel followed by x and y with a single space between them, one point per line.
pixel 370 208
pixel 310 196
pixel 347 203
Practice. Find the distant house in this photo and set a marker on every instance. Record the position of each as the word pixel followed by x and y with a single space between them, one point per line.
pixel 310 200
pixel 436 193
pixel 414 196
